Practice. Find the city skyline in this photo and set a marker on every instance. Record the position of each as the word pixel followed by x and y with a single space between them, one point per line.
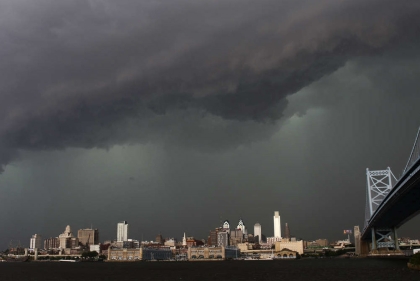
pixel 176 116
pixel 92 234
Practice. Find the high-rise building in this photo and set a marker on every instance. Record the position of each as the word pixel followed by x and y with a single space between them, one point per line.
pixel 287 232
pixel 277 225
pixel 65 238
pixel 159 239
pixel 226 225
pixel 88 236
pixel 236 236
pixel 122 231
pixel 51 243
pixel 241 226
pixel 257 232
pixel 35 242
pixel 223 238
pixel 213 237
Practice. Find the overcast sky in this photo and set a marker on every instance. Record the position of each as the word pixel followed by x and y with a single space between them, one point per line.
pixel 175 115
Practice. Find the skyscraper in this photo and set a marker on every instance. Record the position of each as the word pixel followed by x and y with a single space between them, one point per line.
pixel 287 232
pixel 241 226
pixel 88 236
pixel 35 242
pixel 226 225
pixel 257 232
pixel 51 243
pixel 277 225
pixel 122 231
pixel 65 238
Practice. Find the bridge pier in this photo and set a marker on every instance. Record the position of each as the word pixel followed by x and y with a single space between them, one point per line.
pixel 362 246
pixel 373 239
pixel 385 242
pixel 397 246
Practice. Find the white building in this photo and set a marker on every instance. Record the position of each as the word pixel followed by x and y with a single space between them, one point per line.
pixel 277 225
pixel 272 240
pixel 242 227
pixel 122 231
pixel 171 242
pixel 36 242
pixel 65 238
pixel 184 240
pixel 226 225
pixel 96 248
pixel 257 231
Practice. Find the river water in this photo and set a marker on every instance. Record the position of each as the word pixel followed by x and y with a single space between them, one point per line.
pixel 304 269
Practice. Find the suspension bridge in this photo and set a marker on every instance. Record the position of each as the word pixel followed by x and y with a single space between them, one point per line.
pixel 390 202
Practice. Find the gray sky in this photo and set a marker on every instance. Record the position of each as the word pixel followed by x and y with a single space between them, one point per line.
pixel 176 114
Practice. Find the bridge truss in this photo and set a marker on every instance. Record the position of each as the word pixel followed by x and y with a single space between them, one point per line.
pixel 379 184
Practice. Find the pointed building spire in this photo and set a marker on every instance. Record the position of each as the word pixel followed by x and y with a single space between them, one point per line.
pixel 184 240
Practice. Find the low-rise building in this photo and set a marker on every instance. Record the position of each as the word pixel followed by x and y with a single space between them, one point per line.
pixel 191 242
pixel 285 254
pixel 171 242
pixel 161 253
pixel 296 246
pixel 206 253
pixel 273 240
pixel 125 254
pixel 95 248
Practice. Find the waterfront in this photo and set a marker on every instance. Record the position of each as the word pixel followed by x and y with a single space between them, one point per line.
pixel 305 269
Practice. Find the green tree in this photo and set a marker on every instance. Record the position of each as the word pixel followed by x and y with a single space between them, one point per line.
pixel 93 254
pixel 85 255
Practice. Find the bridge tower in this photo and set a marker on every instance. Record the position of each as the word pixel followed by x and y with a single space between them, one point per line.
pixel 379 184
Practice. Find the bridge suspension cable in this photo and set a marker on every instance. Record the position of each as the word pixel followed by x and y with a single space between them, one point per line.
pixel 415 153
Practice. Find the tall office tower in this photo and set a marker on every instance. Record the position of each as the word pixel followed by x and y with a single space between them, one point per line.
pixel 257 232
pixel 88 236
pixel 287 232
pixel 159 239
pixel 226 225
pixel 51 243
pixel 36 242
pixel 213 237
pixel 122 231
pixel 223 238
pixel 277 225
pixel 65 238
pixel 242 227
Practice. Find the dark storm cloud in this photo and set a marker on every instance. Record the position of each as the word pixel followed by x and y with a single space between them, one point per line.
pixel 98 73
